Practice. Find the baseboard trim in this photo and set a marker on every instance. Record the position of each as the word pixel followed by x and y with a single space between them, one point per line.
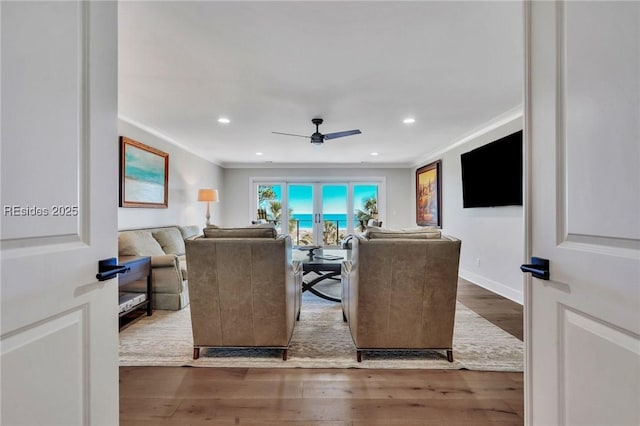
pixel 494 286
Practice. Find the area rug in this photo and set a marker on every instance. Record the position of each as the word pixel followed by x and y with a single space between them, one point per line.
pixel 320 340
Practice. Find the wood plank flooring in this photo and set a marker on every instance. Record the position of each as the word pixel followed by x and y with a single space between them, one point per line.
pixel 501 311
pixel 331 397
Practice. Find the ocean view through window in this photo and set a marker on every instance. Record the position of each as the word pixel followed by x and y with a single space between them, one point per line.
pixel 318 213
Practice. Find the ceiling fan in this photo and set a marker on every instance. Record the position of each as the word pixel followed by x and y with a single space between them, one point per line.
pixel 318 138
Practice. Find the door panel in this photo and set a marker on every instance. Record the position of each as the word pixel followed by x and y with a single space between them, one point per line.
pixel 365 203
pixel 59 196
pixel 582 127
pixel 51 83
pixel 303 217
pixel 56 348
pixel 604 342
pixel 334 213
pixel 270 200
pixel 612 138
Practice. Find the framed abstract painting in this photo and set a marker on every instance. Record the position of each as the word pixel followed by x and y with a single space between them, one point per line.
pixel 144 175
pixel 429 195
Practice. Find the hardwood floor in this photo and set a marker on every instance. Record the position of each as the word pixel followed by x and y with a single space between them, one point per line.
pixel 331 397
pixel 500 311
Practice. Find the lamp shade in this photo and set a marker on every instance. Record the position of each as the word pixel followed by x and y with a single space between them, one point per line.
pixel 207 195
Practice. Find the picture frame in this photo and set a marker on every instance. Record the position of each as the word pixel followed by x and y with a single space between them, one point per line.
pixel 144 175
pixel 429 194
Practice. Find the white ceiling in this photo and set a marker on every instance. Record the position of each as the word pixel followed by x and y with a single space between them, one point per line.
pixel 273 66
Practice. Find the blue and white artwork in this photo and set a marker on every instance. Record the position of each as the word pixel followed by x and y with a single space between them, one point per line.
pixel 144 176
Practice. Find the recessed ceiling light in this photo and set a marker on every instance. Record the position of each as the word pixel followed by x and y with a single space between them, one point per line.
pixel 409 120
pixel 259 153
pixel 374 153
pixel 224 120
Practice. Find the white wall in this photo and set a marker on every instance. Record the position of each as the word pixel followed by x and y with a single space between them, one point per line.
pixel 492 238
pixel 236 196
pixel 187 173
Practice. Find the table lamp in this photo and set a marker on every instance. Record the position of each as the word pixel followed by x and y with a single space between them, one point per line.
pixel 208 195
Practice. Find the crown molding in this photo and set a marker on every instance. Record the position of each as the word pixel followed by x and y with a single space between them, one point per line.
pixel 168 139
pixel 503 119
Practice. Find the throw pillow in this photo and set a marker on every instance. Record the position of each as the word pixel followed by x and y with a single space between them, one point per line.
pixel 170 240
pixel 189 231
pixel 138 243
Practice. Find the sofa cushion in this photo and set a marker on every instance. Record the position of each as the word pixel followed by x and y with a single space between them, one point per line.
pixel 138 243
pixel 428 232
pixel 170 239
pixel 257 231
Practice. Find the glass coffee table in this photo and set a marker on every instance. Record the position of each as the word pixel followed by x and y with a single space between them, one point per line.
pixel 325 264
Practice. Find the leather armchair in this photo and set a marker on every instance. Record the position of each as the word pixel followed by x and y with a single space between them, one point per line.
pixel 399 291
pixel 245 289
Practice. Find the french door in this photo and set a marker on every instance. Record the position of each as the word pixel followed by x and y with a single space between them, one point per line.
pixel 319 213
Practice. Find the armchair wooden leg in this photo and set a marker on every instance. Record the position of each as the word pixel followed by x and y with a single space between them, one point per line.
pixel 298 316
pixel 450 355
pixel 344 317
pixel 359 356
pixel 284 354
pixel 196 353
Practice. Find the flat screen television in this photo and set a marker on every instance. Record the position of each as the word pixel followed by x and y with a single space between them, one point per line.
pixel 492 173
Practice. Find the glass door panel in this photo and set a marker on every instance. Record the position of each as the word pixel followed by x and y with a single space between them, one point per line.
pixel 270 204
pixel 365 205
pixel 301 214
pixel 334 214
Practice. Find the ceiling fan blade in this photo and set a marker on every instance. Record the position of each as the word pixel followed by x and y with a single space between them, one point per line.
pixel 291 134
pixel 341 134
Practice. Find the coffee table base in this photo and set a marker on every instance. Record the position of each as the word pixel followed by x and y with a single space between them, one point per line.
pixel 308 286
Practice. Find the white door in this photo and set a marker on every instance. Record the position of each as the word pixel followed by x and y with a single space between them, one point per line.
pixel 334 219
pixel 582 124
pixel 59 213
pixel 301 212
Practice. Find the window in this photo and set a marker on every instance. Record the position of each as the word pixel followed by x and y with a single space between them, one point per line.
pixel 317 212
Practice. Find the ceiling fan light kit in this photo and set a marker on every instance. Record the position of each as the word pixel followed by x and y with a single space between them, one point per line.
pixel 318 138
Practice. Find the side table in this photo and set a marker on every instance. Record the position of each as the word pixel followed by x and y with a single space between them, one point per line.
pixel 131 302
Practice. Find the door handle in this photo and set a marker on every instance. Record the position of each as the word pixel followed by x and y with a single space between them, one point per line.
pixel 538 267
pixel 109 268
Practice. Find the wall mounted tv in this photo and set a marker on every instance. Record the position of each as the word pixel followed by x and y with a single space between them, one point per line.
pixel 492 174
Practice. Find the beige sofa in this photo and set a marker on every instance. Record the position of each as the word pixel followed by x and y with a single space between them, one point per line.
pixel 399 290
pixel 166 247
pixel 245 288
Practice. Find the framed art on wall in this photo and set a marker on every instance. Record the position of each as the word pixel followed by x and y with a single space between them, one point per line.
pixel 144 175
pixel 429 195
